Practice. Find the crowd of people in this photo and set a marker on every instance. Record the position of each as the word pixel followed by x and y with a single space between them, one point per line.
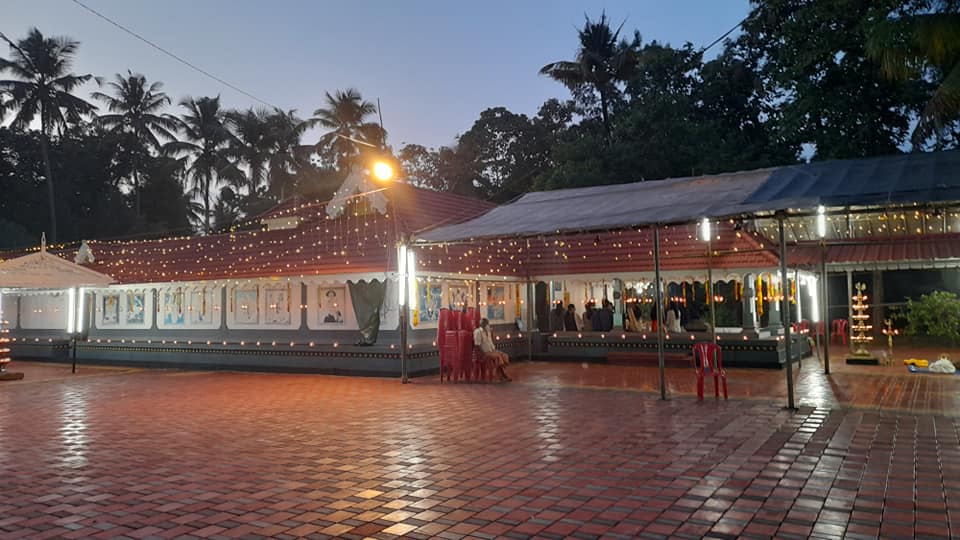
pixel 676 316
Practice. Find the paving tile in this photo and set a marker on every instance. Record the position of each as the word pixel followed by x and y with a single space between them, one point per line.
pixel 582 453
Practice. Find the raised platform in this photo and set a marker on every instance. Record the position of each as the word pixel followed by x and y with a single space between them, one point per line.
pixel 381 360
pixel 640 349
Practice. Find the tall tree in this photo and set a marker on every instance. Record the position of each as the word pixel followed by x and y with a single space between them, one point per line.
pixel 42 88
pixel 136 117
pixel 206 141
pixel 348 117
pixel 252 143
pixel 923 45
pixel 831 96
pixel 603 62
pixel 289 156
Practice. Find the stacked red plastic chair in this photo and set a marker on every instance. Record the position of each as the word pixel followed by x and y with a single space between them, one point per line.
pixel 463 367
pixel 443 324
pixel 707 358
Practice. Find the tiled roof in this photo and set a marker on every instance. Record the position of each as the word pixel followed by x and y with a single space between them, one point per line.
pixel 351 243
pixel 928 248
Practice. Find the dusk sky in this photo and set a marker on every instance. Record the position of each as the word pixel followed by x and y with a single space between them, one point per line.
pixel 435 65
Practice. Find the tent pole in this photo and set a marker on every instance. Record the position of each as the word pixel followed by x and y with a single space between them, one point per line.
pixel 659 300
pixel 710 292
pixel 824 306
pixel 785 310
pixel 530 301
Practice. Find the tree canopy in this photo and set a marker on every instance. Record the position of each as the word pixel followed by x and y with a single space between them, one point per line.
pixel 801 80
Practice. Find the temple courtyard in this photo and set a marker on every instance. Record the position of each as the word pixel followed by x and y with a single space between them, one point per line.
pixel 566 450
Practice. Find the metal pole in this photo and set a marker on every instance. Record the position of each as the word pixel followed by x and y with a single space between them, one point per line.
pixel 529 324
pixel 531 299
pixel 403 343
pixel 659 299
pixel 785 310
pixel 73 346
pixel 825 309
pixel 711 293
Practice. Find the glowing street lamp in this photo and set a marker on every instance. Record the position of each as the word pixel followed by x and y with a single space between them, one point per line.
pixel 383 171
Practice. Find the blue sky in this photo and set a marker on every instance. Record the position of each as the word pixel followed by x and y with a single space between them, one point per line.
pixel 434 64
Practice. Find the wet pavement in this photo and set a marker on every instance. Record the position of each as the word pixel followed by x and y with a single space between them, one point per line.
pixel 564 451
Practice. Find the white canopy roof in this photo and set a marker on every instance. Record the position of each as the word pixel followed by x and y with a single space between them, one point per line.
pixel 44 270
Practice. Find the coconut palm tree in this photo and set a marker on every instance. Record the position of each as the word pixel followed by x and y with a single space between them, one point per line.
pixel 921 46
pixel 135 115
pixel 253 144
pixel 288 157
pixel 603 60
pixel 42 89
pixel 206 141
pixel 347 115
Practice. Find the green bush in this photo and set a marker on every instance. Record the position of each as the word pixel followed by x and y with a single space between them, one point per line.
pixel 935 315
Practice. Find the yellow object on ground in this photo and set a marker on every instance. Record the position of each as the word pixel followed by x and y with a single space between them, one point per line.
pixel 919 362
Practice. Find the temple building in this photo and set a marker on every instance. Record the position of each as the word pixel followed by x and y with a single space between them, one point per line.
pixel 321 286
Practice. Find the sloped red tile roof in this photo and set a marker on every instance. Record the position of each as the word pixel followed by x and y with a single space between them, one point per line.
pixel 350 243
pixel 865 251
pixel 612 252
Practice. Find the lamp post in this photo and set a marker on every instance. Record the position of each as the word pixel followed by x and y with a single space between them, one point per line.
pixel 707 236
pixel 825 307
pixel 383 171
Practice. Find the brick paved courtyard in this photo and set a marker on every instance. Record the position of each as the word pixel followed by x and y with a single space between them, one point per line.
pixel 563 451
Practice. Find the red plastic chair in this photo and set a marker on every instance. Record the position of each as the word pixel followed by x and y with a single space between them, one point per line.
pixel 482 368
pixel 839 329
pixel 463 368
pixel 710 361
pixel 443 324
pixel 449 354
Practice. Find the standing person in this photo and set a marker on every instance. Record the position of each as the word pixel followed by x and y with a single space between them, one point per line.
pixel 603 319
pixel 557 318
pixel 588 317
pixel 483 339
pixel 653 317
pixel 571 320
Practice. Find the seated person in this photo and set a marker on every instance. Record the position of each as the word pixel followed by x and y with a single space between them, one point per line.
pixel 483 339
pixel 696 322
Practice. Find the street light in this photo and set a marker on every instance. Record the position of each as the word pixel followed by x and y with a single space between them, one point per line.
pixel 824 298
pixel 383 171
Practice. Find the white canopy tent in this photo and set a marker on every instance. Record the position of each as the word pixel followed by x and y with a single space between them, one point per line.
pixel 43 272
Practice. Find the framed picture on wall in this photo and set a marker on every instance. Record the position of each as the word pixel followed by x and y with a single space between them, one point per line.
pixel 496 303
pixel 135 309
pixel 200 307
pixel 111 309
pixel 333 305
pixel 458 297
pixel 277 309
pixel 429 301
pixel 173 307
pixel 246 306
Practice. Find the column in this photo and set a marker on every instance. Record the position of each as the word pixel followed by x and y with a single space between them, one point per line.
pixel 749 304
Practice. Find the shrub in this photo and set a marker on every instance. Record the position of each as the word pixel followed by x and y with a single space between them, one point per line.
pixel 935 315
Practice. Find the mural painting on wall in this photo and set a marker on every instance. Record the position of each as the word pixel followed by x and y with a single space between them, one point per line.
pixel 173 307
pixel 332 304
pixel 278 305
pixel 246 306
pixel 459 297
pixel 199 307
pixel 429 302
pixel 496 303
pixel 135 311
pixel 111 309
